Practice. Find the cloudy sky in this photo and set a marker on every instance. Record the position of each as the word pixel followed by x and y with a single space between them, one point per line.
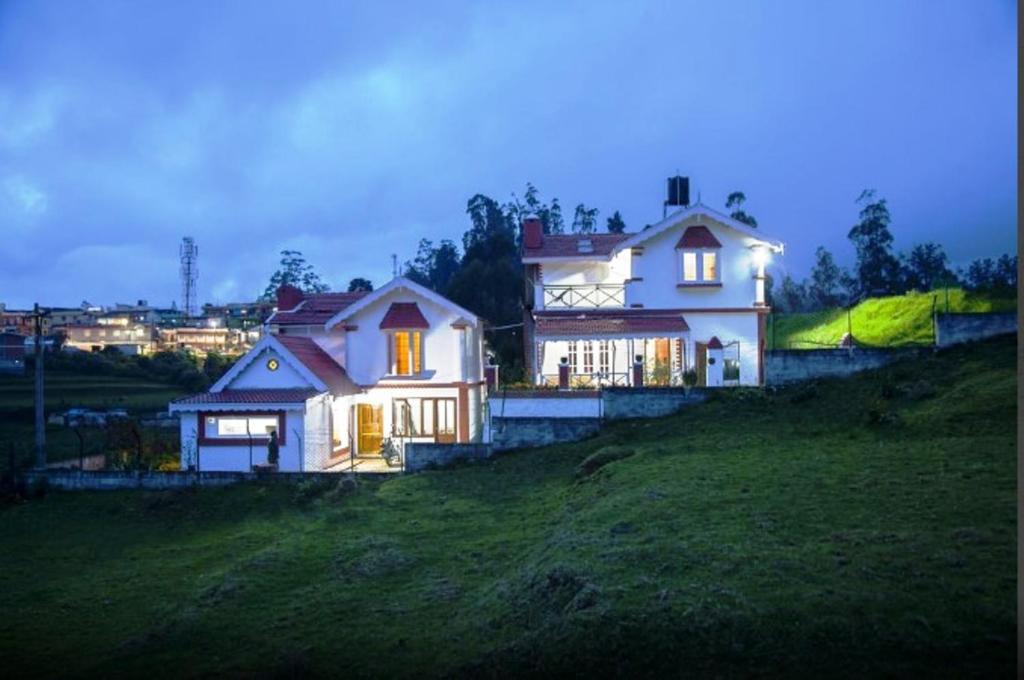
pixel 350 130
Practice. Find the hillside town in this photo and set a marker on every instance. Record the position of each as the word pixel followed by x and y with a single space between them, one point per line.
pixel 136 329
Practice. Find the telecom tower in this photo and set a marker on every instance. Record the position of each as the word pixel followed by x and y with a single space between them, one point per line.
pixel 189 252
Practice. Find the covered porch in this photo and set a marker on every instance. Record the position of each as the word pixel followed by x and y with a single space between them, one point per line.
pixel 605 348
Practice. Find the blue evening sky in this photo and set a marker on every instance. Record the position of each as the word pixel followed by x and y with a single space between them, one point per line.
pixel 351 130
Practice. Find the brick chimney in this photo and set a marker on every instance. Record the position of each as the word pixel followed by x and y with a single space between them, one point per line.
pixel 288 298
pixel 533 232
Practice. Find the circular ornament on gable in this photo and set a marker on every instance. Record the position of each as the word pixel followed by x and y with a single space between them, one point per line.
pixel 272 364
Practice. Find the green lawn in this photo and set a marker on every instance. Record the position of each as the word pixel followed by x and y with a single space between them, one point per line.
pixel 855 528
pixel 68 390
pixel 887 321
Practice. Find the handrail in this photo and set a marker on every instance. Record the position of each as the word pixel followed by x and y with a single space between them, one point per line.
pixel 590 295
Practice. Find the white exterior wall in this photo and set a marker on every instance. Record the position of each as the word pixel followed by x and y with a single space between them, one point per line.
pixel 727 328
pixel 236 458
pixel 659 267
pixel 367 349
pixel 544 407
pixel 257 376
pixel 341 408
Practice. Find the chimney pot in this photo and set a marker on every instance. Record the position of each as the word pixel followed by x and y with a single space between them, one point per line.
pixel 533 232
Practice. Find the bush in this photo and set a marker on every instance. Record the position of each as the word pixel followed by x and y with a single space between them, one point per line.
pixel 600 458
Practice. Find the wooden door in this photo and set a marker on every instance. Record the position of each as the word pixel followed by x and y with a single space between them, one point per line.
pixel 371 429
pixel 444 421
pixel 662 365
pixel 702 364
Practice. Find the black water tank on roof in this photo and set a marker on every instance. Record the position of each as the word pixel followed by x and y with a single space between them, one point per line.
pixel 678 191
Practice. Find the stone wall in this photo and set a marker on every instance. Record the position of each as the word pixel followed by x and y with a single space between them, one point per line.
pixel 517 433
pixel 423 455
pixel 647 402
pixel 792 365
pixel 952 329
pixel 108 480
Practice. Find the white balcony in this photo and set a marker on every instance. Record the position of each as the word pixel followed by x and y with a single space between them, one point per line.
pixel 585 296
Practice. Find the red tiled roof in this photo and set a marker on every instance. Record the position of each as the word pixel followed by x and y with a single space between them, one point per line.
pixel 698 237
pixel 253 396
pixel 319 362
pixel 714 343
pixel 567 245
pixel 610 322
pixel 404 315
pixel 315 308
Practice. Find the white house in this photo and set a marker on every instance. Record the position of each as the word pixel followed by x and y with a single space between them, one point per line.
pixel 336 374
pixel 684 294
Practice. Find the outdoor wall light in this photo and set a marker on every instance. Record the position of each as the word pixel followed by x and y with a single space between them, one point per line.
pixel 760 256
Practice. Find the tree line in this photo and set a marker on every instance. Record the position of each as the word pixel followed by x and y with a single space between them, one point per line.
pixel 880 271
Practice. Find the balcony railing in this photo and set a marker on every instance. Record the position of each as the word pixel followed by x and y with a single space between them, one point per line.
pixel 588 380
pixel 588 295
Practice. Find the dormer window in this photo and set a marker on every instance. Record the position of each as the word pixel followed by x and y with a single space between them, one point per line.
pixel 698 257
pixel 406 352
pixel 403 324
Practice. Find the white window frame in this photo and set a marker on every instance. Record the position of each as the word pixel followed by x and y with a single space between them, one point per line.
pixel 699 254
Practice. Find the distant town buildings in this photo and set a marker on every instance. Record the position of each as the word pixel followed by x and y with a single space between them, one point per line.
pixel 134 329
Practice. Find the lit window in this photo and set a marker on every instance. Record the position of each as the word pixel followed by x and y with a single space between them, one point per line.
pixel 603 357
pixel 406 353
pixel 240 427
pixel 573 356
pixel 710 261
pixel 700 266
pixel 690 266
pixel 424 418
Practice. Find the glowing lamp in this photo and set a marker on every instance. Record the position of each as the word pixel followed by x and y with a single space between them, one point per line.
pixel 761 256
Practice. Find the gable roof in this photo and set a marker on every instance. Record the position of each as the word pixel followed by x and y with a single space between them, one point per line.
pixel 399 283
pixel 315 309
pixel 319 362
pixel 404 315
pixel 568 245
pixel 698 236
pixel 698 209
pixel 303 355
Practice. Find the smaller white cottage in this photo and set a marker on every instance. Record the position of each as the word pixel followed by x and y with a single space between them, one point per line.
pixel 337 374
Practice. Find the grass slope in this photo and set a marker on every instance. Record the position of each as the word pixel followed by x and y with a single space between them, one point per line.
pixel 858 527
pixel 887 321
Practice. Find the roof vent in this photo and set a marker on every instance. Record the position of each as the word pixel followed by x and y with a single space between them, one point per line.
pixel 585 245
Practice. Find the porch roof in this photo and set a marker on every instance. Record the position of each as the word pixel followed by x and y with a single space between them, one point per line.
pixel 609 322
pixel 245 399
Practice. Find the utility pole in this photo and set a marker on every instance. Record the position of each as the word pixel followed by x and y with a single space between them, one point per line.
pixel 40 419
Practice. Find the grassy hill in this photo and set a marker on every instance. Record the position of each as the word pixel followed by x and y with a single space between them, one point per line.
pixel 887 321
pixel 852 528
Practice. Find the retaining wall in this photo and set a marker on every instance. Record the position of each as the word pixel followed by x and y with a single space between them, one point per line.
pixel 792 365
pixel 647 402
pixel 952 329
pixel 422 455
pixel 517 433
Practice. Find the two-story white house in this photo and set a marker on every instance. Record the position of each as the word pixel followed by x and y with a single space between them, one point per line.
pixel 685 294
pixel 337 373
